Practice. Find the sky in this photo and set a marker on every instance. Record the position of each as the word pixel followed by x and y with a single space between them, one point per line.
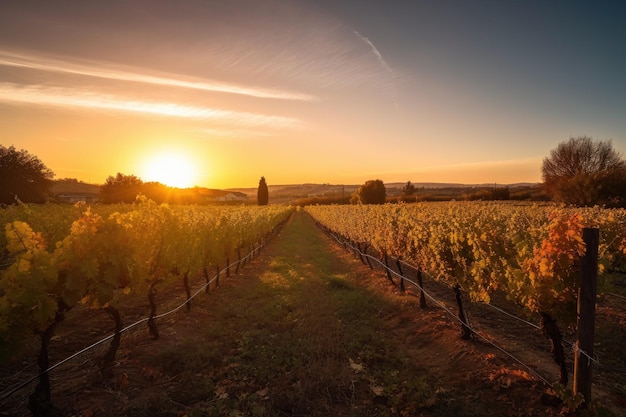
pixel 219 93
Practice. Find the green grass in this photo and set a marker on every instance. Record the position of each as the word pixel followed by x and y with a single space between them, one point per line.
pixel 302 339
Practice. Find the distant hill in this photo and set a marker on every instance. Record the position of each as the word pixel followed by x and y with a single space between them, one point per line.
pixel 287 193
pixel 74 186
pixel 435 185
pixel 74 190
pixel 292 192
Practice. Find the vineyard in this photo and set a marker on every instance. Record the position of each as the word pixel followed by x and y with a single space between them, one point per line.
pixel 528 252
pixel 529 255
pixel 126 259
pixel 58 257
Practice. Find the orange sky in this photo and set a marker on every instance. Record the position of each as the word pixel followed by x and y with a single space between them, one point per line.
pixel 302 91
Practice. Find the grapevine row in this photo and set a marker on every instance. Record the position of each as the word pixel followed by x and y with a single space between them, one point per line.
pixel 530 253
pixel 53 258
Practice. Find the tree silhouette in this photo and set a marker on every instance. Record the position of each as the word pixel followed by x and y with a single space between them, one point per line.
pixel 372 192
pixel 23 176
pixel 409 189
pixel 121 189
pixel 583 172
pixel 262 193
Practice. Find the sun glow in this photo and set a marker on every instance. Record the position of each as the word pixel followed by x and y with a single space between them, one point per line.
pixel 171 169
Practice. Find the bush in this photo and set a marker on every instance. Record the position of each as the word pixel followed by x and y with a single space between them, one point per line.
pixel 372 192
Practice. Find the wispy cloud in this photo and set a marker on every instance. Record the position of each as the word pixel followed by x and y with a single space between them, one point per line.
pixel 64 97
pixel 381 60
pixel 11 59
pixel 376 52
pixel 298 46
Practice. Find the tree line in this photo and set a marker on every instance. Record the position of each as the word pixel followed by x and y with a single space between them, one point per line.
pixel 580 172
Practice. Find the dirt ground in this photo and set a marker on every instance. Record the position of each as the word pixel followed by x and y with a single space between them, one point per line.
pixel 173 377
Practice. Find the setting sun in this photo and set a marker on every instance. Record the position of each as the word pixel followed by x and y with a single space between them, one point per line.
pixel 171 169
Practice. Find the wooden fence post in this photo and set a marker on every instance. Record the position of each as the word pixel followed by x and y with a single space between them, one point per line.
pixel 466 332
pixel 399 266
pixel 586 312
pixel 420 282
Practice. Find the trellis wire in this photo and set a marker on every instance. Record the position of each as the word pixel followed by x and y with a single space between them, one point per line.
pixel 616 295
pixel 573 345
pixel 446 309
pixel 127 328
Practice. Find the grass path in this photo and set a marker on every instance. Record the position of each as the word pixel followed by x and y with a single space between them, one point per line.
pixel 304 339
pixel 307 330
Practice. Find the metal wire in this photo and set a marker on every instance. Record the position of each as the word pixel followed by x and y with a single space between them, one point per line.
pixel 125 329
pixel 573 345
pixel 446 309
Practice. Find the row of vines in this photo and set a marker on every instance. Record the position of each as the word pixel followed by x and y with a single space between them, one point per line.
pixel 528 253
pixel 55 257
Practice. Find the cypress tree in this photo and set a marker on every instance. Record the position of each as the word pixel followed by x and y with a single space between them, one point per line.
pixel 262 194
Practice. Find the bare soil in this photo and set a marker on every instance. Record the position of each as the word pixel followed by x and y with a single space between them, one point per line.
pixel 306 329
